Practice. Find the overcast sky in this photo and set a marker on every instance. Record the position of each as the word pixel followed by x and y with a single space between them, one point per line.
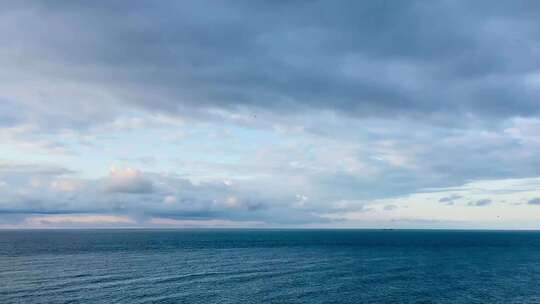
pixel 368 114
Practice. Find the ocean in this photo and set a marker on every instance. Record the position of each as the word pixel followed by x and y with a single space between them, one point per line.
pixel 269 266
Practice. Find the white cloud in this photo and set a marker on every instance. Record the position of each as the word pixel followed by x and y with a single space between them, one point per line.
pixel 67 185
pixel 127 180
pixel 170 199
pixel 76 219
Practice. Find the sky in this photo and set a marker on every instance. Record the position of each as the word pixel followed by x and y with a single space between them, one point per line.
pixel 265 114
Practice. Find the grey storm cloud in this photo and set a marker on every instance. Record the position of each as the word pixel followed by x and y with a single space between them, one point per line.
pixel 434 60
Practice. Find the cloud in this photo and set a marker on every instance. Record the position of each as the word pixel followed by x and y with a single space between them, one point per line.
pixel 303 108
pixel 449 200
pixel 170 199
pixel 480 203
pixel 8 167
pixel 127 181
pixel 390 207
pixel 66 185
pixel 76 219
pixel 202 59
pixel 143 195
pixel 534 201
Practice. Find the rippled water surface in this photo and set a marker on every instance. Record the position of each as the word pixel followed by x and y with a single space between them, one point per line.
pixel 269 266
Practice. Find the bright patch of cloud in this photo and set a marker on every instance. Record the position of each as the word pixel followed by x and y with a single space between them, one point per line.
pixel 75 220
pixel 127 180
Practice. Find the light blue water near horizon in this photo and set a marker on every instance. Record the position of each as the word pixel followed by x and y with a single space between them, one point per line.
pixel 269 266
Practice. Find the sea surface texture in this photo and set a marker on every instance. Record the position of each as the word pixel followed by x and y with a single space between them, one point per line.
pixel 269 266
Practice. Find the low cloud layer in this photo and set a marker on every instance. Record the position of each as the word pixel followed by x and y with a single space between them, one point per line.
pixel 130 192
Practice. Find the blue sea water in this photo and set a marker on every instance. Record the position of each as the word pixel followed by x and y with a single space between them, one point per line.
pixel 269 266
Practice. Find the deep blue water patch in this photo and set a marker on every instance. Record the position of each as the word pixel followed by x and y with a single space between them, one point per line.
pixel 269 266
